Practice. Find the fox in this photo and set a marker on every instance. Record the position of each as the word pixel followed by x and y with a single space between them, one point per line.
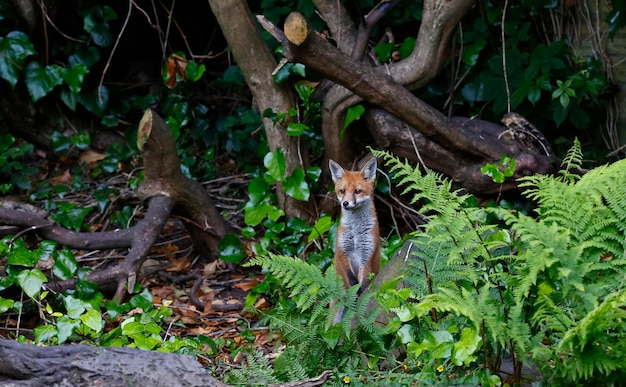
pixel 357 248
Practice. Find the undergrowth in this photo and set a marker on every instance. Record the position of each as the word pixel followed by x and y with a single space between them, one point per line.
pixel 483 288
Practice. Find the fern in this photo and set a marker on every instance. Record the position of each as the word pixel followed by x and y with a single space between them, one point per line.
pixel 257 372
pixel 573 160
pixel 311 337
pixel 548 286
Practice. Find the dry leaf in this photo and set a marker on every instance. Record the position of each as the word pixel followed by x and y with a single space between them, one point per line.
pixel 246 285
pixel 90 157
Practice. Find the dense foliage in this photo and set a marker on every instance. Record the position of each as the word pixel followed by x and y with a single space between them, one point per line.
pixel 484 286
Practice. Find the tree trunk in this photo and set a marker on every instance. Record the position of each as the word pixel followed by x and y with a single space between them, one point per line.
pixel 79 365
pixel 464 144
pixel 256 63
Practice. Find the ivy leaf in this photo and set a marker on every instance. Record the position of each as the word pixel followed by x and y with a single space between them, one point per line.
pixel 65 327
pixel 15 48
pixel 87 56
pixel 231 249
pixel 275 164
pixel 296 186
pixel 354 113
pixel 41 80
pixel 93 320
pixel 384 50
pixel 65 265
pixel 74 307
pixel 147 343
pixel 74 76
pixel 254 214
pixel 194 71
pixel 95 100
pixel 257 190
pixel 296 128
pixel 44 333
pixel 30 281
pixel 45 250
pixel 322 225
pixel 5 304
pixel 59 143
pixel 81 140
pixel 22 257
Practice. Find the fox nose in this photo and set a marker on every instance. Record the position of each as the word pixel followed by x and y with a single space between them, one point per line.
pixel 346 204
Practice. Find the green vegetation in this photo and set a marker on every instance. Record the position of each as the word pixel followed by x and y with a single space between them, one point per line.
pixel 485 285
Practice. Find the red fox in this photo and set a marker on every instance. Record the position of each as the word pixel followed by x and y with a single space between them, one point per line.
pixel 357 250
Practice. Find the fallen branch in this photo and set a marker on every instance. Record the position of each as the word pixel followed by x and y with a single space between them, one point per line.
pixel 167 191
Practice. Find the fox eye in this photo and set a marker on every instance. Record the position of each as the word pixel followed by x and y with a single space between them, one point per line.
pixel 357 191
pixel 342 191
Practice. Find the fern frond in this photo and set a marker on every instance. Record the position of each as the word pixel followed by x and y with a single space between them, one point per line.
pixel 258 372
pixel 573 160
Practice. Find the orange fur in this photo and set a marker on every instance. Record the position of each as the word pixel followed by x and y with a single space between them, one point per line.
pixel 357 250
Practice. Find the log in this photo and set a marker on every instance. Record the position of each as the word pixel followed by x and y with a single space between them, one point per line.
pixel 80 365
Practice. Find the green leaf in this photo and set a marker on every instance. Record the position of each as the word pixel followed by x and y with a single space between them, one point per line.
pixel 296 185
pixel 384 50
pixel 352 114
pixel 322 225
pixel 93 320
pixel 59 143
pixel 194 71
pixel 45 250
pixel 66 326
pixel 98 29
pixel 87 56
pixel 44 333
pixel 95 100
pixel 332 335
pixel 493 171
pixel 5 304
pixel 147 343
pixel 275 164
pixel 15 47
pixel 296 128
pixel 22 257
pixel 142 300
pixel 30 281
pixel 86 289
pixel 466 347
pixel 65 265
pixel 255 214
pixel 74 76
pixel 41 80
pixel 534 93
pixel 231 249
pixel 257 191
pixel 74 307
pixel 81 140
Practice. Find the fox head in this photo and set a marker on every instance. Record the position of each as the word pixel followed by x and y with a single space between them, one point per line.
pixel 353 187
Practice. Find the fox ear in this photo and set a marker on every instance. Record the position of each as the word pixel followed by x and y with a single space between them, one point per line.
pixel 336 172
pixel 369 170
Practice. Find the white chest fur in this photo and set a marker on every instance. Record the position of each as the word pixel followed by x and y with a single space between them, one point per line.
pixel 357 241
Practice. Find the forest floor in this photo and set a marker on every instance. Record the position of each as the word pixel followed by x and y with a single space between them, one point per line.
pixel 221 287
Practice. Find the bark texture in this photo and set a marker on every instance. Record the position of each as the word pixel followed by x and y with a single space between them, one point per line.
pixel 79 365
pixel 456 146
pixel 257 62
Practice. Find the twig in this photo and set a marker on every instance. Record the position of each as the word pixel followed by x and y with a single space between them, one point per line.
pixel 117 41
